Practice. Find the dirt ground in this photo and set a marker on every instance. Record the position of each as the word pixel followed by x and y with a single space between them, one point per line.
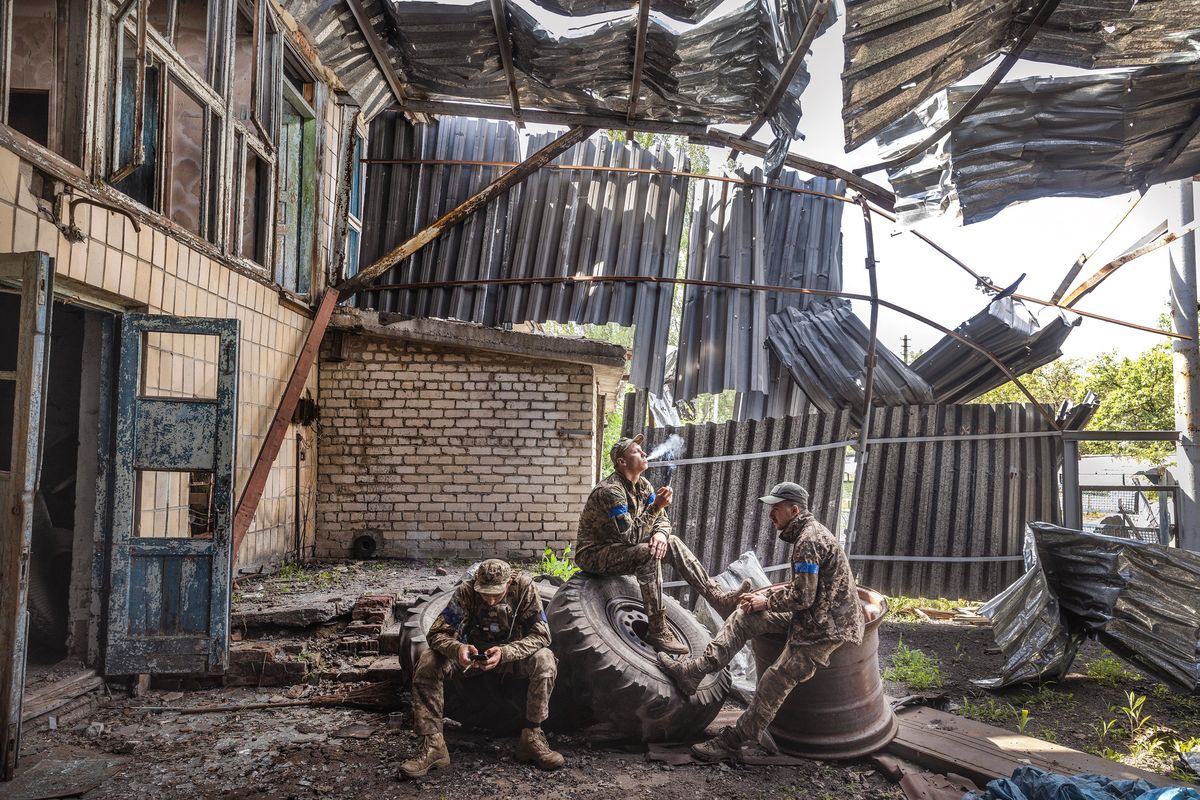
pixel 349 753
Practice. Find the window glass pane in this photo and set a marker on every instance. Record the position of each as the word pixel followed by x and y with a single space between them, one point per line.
pixel 160 17
pixel 186 147
pixel 352 237
pixel 243 65
pixel 191 34
pixel 297 194
pixel 35 80
pixel 254 208
pixel 356 180
pixel 140 183
pixel 174 505
pixel 179 365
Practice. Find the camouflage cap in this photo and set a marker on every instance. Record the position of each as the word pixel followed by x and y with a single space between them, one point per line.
pixel 621 446
pixel 786 492
pixel 491 577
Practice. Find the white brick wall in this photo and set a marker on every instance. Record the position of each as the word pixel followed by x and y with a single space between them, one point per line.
pixel 451 452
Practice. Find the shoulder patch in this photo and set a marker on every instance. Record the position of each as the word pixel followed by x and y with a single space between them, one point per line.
pixel 801 567
pixel 618 510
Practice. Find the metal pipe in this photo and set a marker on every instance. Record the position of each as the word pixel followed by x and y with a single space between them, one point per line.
pixel 761 287
pixel 860 465
pixel 1071 502
pixel 1187 373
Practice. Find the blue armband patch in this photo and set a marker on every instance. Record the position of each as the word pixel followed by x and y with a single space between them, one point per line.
pixel 650 500
pixel 804 566
pixel 617 511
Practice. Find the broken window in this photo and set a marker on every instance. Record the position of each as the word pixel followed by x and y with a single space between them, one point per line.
pixel 354 216
pixel 166 129
pixel 42 73
pixel 297 181
pixel 174 505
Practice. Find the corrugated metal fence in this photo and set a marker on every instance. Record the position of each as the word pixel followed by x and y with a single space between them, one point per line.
pixel 964 499
pixel 716 509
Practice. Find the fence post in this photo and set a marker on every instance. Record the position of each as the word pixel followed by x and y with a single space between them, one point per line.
pixel 1187 374
pixel 1072 499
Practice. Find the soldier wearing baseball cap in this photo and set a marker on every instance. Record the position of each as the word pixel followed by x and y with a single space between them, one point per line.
pixel 494 622
pixel 624 530
pixel 817 609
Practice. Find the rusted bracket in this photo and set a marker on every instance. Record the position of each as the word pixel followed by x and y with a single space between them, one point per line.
pixel 639 58
pixel 1039 19
pixel 1108 269
pixel 873 191
pixel 364 278
pixel 504 40
pixel 799 52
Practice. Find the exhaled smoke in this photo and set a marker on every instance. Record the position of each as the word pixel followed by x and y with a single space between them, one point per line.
pixel 669 450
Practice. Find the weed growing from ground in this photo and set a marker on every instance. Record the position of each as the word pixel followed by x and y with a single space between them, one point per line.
pixel 1023 720
pixel 557 567
pixel 987 710
pixel 914 668
pixel 902 603
pixel 1047 698
pixel 1109 671
pixel 289 571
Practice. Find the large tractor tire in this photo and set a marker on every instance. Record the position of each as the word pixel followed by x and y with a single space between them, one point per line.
pixel 609 679
pixel 478 702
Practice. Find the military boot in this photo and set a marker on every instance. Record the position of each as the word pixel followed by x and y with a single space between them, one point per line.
pixel 685 673
pixel 431 754
pixel 725 602
pixel 660 636
pixel 725 746
pixel 532 748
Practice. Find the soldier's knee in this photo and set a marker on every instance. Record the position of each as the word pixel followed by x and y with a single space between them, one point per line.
pixel 429 665
pixel 545 665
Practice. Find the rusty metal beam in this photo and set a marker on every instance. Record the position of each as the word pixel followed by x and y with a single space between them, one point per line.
pixel 494 189
pixel 864 453
pixel 639 58
pixel 504 40
pixel 1039 19
pixel 277 430
pixel 375 45
pixel 873 191
pixel 799 52
pixel 1108 269
pixel 569 118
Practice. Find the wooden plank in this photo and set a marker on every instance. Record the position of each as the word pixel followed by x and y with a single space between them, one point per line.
pixel 947 743
pixel 55 695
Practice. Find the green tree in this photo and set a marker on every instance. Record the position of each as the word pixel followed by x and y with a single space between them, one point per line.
pixel 1052 383
pixel 1135 394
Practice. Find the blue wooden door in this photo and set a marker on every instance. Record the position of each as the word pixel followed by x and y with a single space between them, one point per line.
pixel 173 476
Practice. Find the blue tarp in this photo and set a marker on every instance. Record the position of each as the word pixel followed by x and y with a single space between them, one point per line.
pixel 1031 783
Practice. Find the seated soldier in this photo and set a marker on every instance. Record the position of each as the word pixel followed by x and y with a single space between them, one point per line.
pixel 624 530
pixel 495 622
pixel 819 611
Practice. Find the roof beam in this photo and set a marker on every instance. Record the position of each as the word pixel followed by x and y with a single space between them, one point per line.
pixel 639 58
pixel 616 122
pixel 375 45
pixel 504 39
pixel 799 52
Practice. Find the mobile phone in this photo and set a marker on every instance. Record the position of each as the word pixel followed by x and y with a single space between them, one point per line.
pixel 478 657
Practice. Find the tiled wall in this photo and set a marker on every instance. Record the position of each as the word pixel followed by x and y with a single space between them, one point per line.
pixel 165 275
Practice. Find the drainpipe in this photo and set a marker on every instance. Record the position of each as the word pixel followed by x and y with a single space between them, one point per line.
pixel 1187 373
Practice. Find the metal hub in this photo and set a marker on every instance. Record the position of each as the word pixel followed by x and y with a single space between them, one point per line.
pixel 628 618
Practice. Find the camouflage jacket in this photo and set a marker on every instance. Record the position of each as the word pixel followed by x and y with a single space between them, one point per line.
pixel 821 596
pixel 619 512
pixel 517 623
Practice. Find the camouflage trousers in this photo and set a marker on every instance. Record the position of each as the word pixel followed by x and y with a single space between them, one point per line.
pixel 429 677
pixel 636 559
pixel 795 665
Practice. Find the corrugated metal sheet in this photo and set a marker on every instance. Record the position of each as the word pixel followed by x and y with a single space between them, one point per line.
pixel 1007 329
pixel 343 48
pixel 958 499
pixel 824 350
pixel 900 54
pixel 556 223
pixel 716 509
pixel 783 397
pixel 721 69
pixel 1088 136
pixel 749 234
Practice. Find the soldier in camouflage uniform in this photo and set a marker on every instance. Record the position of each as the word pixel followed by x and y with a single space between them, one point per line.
pixel 624 530
pixel 498 614
pixel 819 610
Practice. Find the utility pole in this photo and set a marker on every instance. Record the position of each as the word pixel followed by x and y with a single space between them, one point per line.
pixel 904 347
pixel 1187 372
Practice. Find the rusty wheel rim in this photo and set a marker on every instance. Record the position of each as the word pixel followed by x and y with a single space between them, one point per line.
pixel 628 618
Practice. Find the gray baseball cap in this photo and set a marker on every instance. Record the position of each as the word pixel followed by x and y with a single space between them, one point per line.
pixel 786 492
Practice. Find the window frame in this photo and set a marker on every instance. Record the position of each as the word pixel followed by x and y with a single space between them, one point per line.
pixel 354 221
pixel 309 201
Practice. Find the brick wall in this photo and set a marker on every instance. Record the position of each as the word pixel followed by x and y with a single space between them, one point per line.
pixel 447 452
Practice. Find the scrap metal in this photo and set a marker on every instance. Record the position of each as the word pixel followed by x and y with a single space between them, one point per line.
pixel 900 54
pixel 1141 600
pixel 1089 136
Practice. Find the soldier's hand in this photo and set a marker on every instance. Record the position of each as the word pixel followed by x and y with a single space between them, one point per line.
pixel 465 652
pixel 494 656
pixel 662 498
pixel 752 603
pixel 658 545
